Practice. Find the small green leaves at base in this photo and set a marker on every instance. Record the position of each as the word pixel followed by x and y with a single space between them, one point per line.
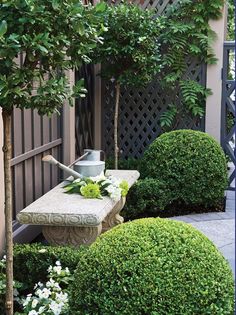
pixel 3 28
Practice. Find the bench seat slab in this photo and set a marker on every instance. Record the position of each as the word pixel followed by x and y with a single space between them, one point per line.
pixel 72 219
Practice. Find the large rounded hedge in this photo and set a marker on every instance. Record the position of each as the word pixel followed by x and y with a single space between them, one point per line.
pixel 152 267
pixel 190 163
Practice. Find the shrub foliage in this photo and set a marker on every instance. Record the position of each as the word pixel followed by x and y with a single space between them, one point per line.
pixel 152 266
pixel 31 261
pixel 191 164
pixel 185 27
pixel 148 197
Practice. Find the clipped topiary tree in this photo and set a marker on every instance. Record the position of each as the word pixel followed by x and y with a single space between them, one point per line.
pixel 152 266
pixel 50 37
pixel 191 164
pixel 130 52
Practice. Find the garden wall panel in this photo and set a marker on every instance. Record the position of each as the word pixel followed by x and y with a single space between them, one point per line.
pixel 33 137
pixel 140 112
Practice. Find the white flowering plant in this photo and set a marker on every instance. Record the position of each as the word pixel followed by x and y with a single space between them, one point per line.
pixel 49 298
pixel 99 186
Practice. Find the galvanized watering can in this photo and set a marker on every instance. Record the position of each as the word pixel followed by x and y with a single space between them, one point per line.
pixel 88 165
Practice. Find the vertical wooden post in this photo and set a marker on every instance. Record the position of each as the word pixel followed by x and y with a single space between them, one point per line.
pixel 69 127
pixel 97 108
pixel 214 79
pixel 97 103
pixel 2 224
pixel 6 115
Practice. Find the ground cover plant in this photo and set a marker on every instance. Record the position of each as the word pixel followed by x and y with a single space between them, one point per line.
pixel 152 266
pixel 49 37
pixel 31 264
pixel 31 261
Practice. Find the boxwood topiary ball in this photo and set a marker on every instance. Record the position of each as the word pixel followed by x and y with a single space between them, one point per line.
pixel 191 163
pixel 152 267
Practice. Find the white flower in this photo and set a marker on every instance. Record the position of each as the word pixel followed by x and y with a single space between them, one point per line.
pixel 62 297
pixel 27 300
pixel 41 309
pixel 116 182
pixel 67 270
pixel 110 189
pixel 43 294
pixel 57 269
pixel 39 284
pixel 56 308
pixel 98 178
pixel 43 250
pixel 49 268
pixel 34 303
pixel 33 312
pixel 52 284
pixel 116 194
pixel 58 263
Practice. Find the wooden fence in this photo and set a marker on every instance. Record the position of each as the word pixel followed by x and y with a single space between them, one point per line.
pixel 33 137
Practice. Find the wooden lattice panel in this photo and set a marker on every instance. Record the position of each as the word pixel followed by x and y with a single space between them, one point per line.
pixel 160 6
pixel 140 111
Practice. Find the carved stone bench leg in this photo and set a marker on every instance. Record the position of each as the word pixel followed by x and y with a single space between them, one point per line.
pixel 71 235
pixel 114 218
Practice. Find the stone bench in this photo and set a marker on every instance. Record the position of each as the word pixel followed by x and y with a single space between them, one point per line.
pixel 70 219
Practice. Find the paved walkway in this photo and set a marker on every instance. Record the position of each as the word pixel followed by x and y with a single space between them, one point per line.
pixel 218 227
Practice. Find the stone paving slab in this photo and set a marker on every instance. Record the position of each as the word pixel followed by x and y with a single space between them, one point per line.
pixel 230 205
pixel 230 195
pixel 228 252
pixel 206 217
pixel 219 227
pixel 222 234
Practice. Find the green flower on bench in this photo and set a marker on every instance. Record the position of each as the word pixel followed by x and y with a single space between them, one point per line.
pixel 99 186
pixel 90 191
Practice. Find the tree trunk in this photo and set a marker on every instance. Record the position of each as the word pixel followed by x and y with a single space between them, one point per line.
pixel 116 116
pixel 6 116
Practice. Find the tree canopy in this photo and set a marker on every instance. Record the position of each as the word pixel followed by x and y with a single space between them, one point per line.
pixel 48 37
pixel 130 52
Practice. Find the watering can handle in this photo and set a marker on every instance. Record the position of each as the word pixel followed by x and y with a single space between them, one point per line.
pixel 51 160
pixel 79 158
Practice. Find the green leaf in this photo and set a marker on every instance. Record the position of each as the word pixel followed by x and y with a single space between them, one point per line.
pixel 55 4
pixel 101 7
pixel 3 28
pixel 43 49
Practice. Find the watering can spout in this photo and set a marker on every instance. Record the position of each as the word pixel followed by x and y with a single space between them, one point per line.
pixel 51 160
